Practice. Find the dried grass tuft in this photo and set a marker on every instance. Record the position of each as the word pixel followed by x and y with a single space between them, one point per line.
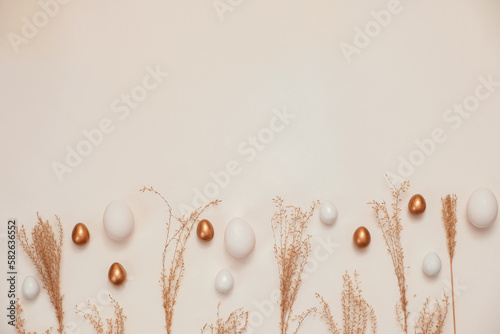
pixel 171 275
pixel 45 252
pixel 291 248
pixel 235 323
pixel 115 325
pixel 358 316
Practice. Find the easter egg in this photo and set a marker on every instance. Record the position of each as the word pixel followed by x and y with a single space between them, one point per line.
pixel 224 281
pixel 117 275
pixel 482 208
pixel 80 235
pixel 205 230
pixel 30 288
pixel 432 264
pixel 361 237
pixel 239 238
pixel 328 212
pixel 417 205
pixel 118 221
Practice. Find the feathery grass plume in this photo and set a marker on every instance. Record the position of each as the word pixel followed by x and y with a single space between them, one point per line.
pixel 430 321
pixel 20 320
pixel 432 316
pixel 359 316
pixel 171 276
pixel 291 248
pixel 45 251
pixel 235 323
pixel 449 215
pixel 115 325
pixel 391 226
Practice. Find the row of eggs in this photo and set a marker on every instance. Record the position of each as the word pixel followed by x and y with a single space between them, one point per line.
pixel 239 237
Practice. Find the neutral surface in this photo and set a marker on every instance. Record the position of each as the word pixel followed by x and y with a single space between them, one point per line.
pixel 353 123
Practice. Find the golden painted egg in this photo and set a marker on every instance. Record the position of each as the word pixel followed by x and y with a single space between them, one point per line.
pixel 205 230
pixel 80 235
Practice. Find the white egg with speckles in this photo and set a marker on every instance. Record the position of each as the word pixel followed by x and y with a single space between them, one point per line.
pixel 118 221
pixel 328 213
pixel 224 281
pixel 432 264
pixel 482 208
pixel 30 288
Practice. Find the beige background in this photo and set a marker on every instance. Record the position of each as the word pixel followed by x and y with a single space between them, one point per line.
pixel 353 122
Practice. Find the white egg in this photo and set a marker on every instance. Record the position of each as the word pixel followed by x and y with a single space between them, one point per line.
pixel 118 221
pixel 224 281
pixel 328 212
pixel 239 238
pixel 432 264
pixel 482 208
pixel 30 287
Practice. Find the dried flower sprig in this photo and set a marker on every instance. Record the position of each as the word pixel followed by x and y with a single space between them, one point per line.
pixel 358 316
pixel 391 226
pixel 45 251
pixel 432 316
pixel 115 325
pixel 449 215
pixel 235 323
pixel 291 248
pixel 20 320
pixel 171 277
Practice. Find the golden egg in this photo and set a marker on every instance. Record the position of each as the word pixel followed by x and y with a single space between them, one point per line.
pixel 80 235
pixel 205 230
pixel 417 205
pixel 361 237
pixel 117 274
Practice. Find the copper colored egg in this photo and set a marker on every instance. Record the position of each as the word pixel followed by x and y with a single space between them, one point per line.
pixel 80 235
pixel 361 237
pixel 205 230
pixel 117 274
pixel 417 205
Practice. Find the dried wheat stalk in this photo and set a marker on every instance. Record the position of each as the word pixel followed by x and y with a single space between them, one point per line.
pixel 449 215
pixel 391 226
pixel 171 277
pixel 358 316
pixel 45 251
pixel 291 248
pixel 115 325
pixel 235 323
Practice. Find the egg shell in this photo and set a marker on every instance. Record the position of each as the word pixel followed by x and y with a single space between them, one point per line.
pixel 30 288
pixel 328 212
pixel 482 208
pixel 239 238
pixel 431 265
pixel 118 221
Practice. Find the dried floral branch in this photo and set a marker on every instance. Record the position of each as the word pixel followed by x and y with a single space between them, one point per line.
pixel 115 325
pixel 449 215
pixel 432 316
pixel 171 277
pixel 20 320
pixel 291 249
pixel 45 251
pixel 235 323
pixel 359 316
pixel 391 226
